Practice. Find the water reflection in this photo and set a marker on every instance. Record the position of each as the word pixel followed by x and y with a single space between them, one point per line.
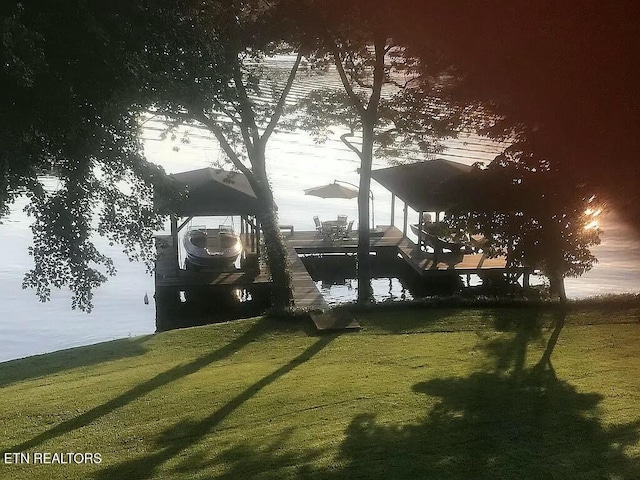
pixel 386 289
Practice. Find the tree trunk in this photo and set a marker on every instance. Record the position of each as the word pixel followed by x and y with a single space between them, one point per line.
pixel 277 261
pixel 369 117
pixel 365 292
pixel 275 249
pixel 556 281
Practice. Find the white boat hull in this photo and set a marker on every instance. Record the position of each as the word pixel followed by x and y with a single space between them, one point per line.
pixel 212 249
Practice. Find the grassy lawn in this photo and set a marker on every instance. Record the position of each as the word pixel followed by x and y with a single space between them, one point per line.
pixel 422 393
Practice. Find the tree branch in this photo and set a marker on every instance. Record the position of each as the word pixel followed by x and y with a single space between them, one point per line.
pixel 356 71
pixel 355 100
pixel 249 127
pixel 350 145
pixel 224 143
pixel 227 112
pixel 247 138
pixel 362 84
pixel 379 43
pixel 400 85
pixel 277 112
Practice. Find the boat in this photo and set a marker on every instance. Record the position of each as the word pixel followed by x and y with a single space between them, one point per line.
pixel 211 248
pixel 431 239
pixel 461 243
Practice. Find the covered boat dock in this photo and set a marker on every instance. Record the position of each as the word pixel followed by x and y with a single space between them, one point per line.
pixel 207 192
pixel 427 187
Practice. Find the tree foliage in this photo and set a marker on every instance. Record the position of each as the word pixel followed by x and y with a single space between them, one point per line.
pixel 529 213
pixel 550 66
pixel 79 76
pixel 243 108
pixel 397 102
pixel 76 76
pixel 531 200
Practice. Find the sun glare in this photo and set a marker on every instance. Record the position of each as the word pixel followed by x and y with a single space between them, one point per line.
pixel 591 215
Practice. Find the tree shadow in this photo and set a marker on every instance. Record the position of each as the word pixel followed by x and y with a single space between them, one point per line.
pixel 509 354
pixel 246 462
pixel 160 380
pixel 522 326
pixel 22 369
pixel 398 319
pixel 181 436
pixel 487 426
pixel 515 422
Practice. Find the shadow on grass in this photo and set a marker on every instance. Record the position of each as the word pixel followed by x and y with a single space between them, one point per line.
pixel 487 426
pixel 509 422
pixel 185 434
pixel 15 371
pixel 144 388
pixel 509 352
pixel 245 462
pixel 401 319
pixel 515 422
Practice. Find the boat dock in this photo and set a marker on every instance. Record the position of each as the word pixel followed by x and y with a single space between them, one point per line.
pixel 386 241
pixel 390 240
pixel 214 192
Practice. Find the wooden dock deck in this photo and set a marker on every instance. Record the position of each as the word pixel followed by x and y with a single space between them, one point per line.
pixel 170 279
pixel 306 294
pixel 388 237
pixel 386 240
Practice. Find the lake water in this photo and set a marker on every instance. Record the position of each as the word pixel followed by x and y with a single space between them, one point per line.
pixel 295 163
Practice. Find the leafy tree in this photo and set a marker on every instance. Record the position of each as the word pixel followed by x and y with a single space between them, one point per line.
pixel 387 96
pixel 529 213
pixel 242 112
pixel 71 98
pixel 549 66
pixel 78 77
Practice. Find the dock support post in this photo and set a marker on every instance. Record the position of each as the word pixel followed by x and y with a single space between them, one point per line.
pixel 174 238
pixel 404 226
pixel 258 237
pixel 393 209
pixel 253 236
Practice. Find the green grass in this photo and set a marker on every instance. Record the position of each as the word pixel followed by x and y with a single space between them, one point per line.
pixel 418 393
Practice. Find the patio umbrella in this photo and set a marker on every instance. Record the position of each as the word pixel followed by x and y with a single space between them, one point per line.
pixel 337 190
pixel 333 190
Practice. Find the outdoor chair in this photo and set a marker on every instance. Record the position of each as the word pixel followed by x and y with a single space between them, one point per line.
pixel 342 219
pixel 348 230
pixel 316 220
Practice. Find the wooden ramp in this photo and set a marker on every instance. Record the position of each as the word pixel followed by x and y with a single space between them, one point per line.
pixel 306 295
pixel 334 320
pixel 425 263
